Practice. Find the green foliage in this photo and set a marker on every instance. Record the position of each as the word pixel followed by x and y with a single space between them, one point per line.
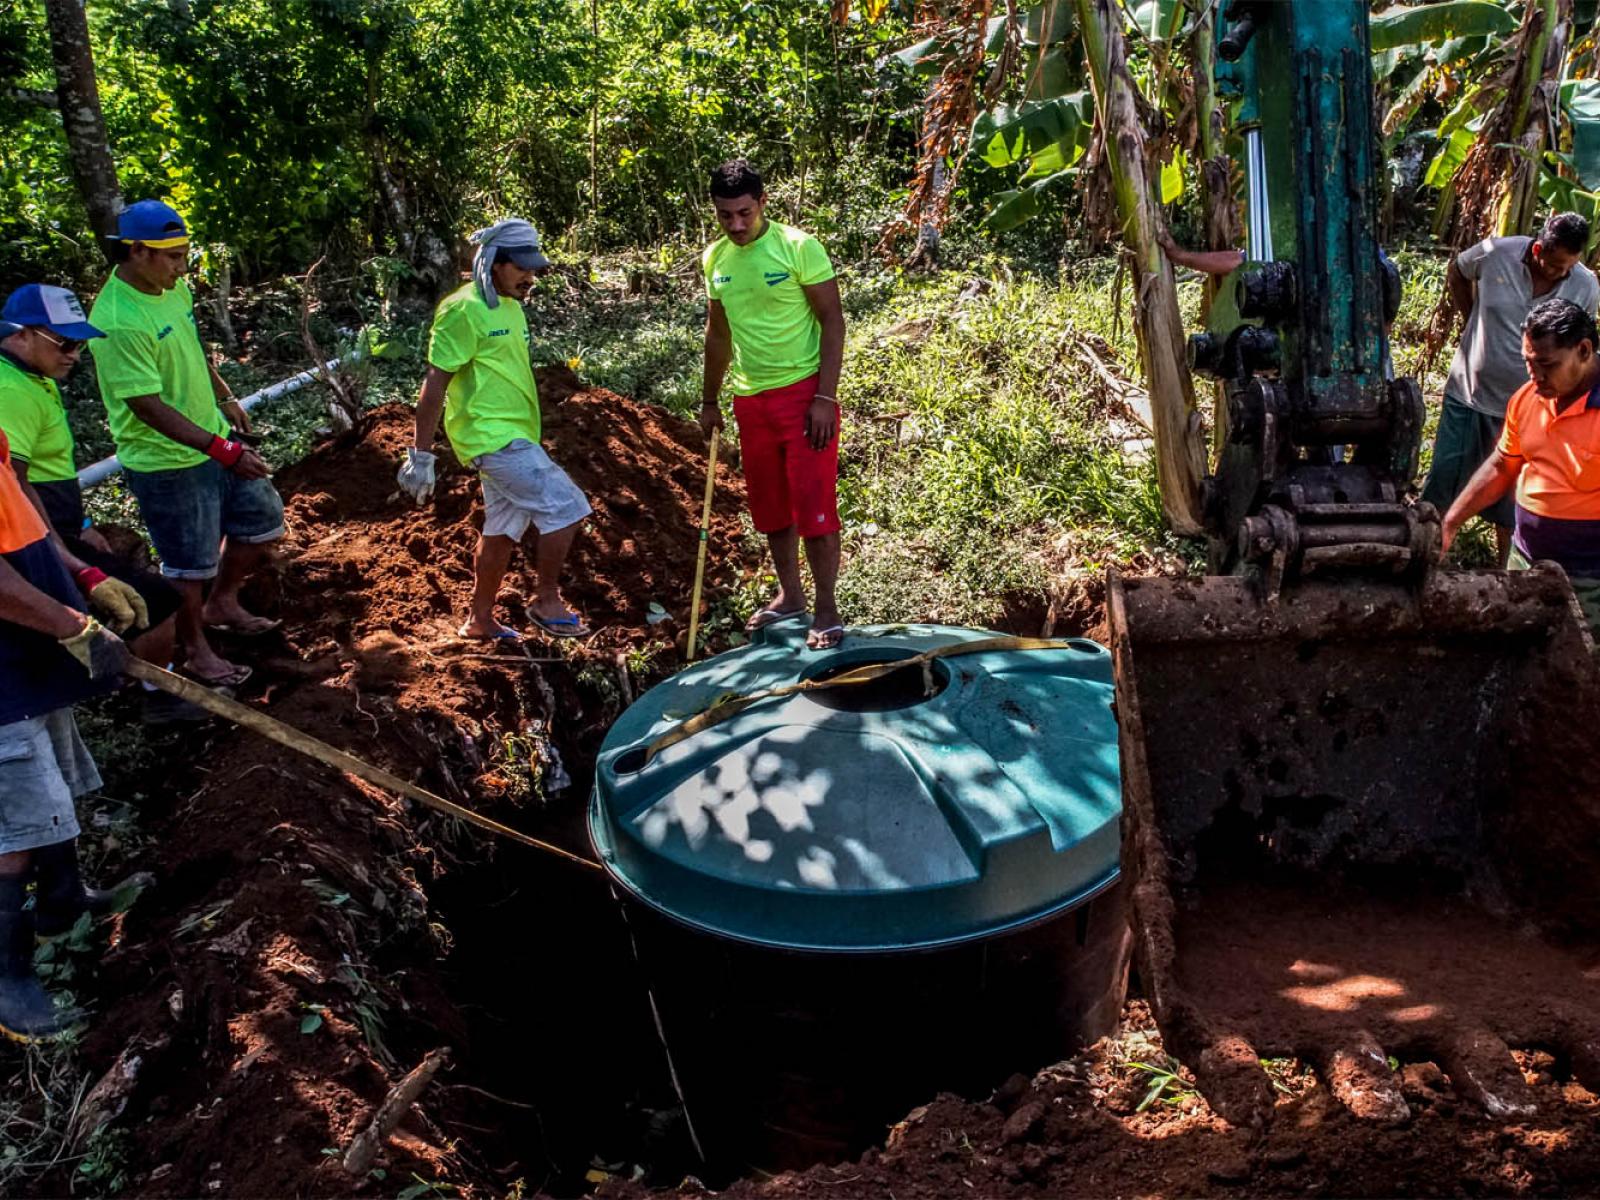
pixel 1007 134
pixel 1405 26
pixel 1580 101
pixel 1164 1084
pixel 289 128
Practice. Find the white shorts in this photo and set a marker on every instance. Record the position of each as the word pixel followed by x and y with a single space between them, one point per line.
pixel 522 487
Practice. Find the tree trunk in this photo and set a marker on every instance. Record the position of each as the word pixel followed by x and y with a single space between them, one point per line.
pixel 1216 183
pixel 1180 453
pixel 78 96
pixel 594 129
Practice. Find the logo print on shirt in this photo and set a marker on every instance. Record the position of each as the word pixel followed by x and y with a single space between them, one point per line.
pixel 498 332
pixel 722 279
pixel 163 333
pixel 774 278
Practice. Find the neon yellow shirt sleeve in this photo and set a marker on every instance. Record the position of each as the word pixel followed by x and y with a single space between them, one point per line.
pixel 811 262
pixel 453 340
pixel 20 418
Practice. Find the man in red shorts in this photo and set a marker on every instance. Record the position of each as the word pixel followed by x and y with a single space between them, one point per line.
pixel 775 333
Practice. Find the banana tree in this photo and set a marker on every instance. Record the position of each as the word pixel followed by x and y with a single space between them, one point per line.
pixel 1018 79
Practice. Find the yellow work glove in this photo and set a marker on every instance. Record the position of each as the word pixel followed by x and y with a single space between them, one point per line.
pixel 120 605
pixel 101 652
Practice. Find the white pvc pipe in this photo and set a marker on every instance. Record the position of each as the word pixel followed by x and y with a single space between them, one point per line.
pixel 97 473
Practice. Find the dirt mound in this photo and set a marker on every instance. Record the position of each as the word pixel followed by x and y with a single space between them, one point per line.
pixel 367 560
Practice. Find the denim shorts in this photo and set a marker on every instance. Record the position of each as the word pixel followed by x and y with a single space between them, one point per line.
pixel 189 511
pixel 44 765
pixel 522 487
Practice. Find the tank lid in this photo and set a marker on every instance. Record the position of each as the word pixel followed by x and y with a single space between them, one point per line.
pixel 870 818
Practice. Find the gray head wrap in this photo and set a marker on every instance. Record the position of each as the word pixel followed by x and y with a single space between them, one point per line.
pixel 511 234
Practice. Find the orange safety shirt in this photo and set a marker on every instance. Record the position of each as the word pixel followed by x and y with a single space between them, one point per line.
pixel 36 675
pixel 20 522
pixel 1560 453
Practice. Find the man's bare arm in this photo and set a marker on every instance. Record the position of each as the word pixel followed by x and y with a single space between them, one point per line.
pixel 430 404
pixel 1491 481
pixel 1463 291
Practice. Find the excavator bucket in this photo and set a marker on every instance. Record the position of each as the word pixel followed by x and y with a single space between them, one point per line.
pixel 1362 823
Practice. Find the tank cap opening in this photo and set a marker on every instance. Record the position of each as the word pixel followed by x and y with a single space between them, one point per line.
pixel 895 690
pixel 630 761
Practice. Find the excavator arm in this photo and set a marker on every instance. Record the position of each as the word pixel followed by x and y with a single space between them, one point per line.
pixel 1339 760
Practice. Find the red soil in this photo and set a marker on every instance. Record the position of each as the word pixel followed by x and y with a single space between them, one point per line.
pixel 289 892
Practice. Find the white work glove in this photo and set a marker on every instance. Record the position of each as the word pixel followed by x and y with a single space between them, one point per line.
pixel 416 474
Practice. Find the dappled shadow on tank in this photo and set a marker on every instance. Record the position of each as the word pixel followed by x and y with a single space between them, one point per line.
pixel 851 902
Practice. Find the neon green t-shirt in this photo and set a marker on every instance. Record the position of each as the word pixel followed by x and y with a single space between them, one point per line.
pixel 491 400
pixel 152 347
pixel 777 339
pixel 36 424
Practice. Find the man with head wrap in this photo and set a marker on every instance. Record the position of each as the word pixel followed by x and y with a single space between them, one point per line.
pixel 480 378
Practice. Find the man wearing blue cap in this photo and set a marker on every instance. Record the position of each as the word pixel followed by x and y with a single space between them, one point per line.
pixel 42 335
pixel 202 491
pixel 480 377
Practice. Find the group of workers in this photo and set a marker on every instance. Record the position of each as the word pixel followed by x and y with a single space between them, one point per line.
pixel 774 339
pixel 1522 416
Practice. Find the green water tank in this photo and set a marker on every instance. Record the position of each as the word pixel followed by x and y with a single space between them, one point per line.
pixel 868 819
pixel 848 901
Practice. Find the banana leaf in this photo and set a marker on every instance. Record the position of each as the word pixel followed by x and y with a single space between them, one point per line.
pixel 1009 133
pixel 1014 207
pixel 1410 25
pixel 1580 100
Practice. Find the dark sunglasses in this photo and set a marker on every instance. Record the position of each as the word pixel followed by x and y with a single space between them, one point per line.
pixel 65 345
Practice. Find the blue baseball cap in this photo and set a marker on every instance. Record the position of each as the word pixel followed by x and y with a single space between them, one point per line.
pixel 53 308
pixel 153 223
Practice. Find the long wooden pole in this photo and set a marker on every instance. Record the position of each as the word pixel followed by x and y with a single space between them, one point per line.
pixel 705 537
pixel 304 743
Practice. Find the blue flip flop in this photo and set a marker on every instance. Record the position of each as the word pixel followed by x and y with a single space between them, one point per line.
pixel 561 627
pixel 501 635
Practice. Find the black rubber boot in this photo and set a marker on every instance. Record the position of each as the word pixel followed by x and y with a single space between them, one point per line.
pixel 27 1012
pixel 60 896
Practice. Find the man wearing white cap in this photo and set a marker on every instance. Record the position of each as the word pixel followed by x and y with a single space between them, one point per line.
pixel 479 376
pixel 203 492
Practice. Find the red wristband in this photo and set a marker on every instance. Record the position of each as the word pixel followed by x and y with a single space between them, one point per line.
pixel 90 578
pixel 225 452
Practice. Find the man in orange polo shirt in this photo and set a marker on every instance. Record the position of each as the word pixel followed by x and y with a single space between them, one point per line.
pixel 1549 451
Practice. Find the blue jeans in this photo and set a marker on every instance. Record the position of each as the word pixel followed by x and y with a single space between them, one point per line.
pixel 190 510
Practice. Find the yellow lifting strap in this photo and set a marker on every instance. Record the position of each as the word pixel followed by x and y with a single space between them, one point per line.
pixel 732 706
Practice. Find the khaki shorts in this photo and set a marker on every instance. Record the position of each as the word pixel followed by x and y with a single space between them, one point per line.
pixel 44 766
pixel 522 487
